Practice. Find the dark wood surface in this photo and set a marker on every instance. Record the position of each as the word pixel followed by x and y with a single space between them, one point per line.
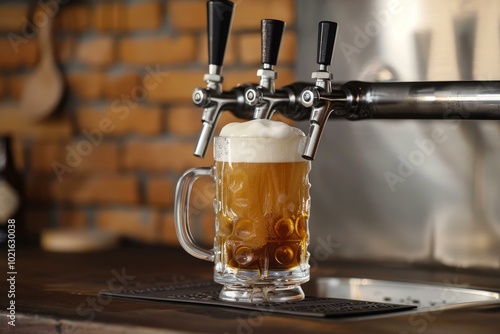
pixel 58 293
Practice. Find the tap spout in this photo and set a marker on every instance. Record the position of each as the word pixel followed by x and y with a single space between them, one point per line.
pixel 214 105
pixel 323 104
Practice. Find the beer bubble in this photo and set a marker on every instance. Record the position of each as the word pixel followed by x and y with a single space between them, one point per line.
pixel 244 228
pixel 224 225
pixel 282 197
pixel 283 227
pixel 244 255
pixel 301 225
pixel 284 255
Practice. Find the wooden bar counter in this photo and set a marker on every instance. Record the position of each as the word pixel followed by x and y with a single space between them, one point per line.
pixel 59 293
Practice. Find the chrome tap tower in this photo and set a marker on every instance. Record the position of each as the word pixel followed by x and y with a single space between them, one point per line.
pixel 324 100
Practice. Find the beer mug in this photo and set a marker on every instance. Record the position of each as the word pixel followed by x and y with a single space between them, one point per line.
pixel 261 207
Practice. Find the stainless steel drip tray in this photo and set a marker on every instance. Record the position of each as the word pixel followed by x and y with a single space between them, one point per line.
pixel 423 295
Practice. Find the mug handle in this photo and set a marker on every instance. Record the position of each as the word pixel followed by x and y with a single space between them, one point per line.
pixel 181 208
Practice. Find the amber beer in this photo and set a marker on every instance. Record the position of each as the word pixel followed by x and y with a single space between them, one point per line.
pixel 262 204
pixel 262 213
pixel 262 209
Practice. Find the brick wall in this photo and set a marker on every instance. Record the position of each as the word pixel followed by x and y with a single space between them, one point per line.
pixel 111 155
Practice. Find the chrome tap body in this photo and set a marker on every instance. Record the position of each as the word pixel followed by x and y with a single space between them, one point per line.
pixel 355 100
pixel 212 98
pixel 323 99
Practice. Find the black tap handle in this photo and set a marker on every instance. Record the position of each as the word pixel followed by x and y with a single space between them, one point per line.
pixel 219 17
pixel 327 31
pixel 272 32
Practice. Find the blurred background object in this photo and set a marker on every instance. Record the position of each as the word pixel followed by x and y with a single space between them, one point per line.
pixel 43 89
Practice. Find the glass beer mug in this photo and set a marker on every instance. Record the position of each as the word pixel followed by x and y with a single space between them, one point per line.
pixel 261 206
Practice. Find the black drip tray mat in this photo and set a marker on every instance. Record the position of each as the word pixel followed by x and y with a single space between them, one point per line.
pixel 207 292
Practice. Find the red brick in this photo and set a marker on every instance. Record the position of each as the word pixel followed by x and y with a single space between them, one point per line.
pixel 44 155
pixel 137 224
pixel 65 49
pixel 160 191
pixel 158 50
pixel 8 57
pixel 11 17
pixel 144 16
pixel 226 118
pixel 201 222
pixel 286 76
pixel 184 120
pixel 16 85
pixel 167 226
pixel 248 14
pixel 86 84
pixel 119 119
pixel 207 227
pixel 202 196
pixel 74 18
pixel 249 47
pixel 120 83
pixel 110 16
pixel 233 78
pixel 98 51
pixel 18 52
pixel 11 121
pixel 187 15
pixel 96 189
pixel 72 218
pixel 29 53
pixel 178 86
pixel 3 87
pixel 162 156
pixel 288 50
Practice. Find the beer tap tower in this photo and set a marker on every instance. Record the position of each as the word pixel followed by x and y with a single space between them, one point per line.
pixel 245 101
pixel 324 100
pixel 265 98
pixel 272 32
pixel 212 98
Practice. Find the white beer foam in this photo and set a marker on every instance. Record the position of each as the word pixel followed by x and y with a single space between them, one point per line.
pixel 259 140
